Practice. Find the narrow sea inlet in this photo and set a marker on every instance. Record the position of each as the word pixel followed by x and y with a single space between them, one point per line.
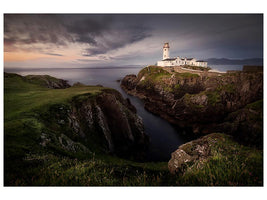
pixel 164 138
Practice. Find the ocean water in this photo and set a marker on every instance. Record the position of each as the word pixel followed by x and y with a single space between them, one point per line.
pixel 225 68
pixel 164 137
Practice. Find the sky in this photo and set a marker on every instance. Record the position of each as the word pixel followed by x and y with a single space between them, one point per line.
pixel 93 40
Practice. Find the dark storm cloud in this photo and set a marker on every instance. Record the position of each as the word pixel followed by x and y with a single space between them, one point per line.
pixel 232 35
pixel 85 30
pixel 31 29
pixel 110 32
pixel 100 32
pixel 119 39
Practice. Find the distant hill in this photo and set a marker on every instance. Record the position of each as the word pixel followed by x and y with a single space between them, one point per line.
pixel 226 61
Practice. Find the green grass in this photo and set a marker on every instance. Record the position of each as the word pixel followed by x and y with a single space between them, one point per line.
pixel 186 75
pixel 21 96
pixel 154 75
pixel 230 164
pixel 257 105
pixel 153 72
pixel 213 97
pixel 197 68
pixel 229 88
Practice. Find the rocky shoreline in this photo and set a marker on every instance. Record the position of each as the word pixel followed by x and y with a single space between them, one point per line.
pixel 203 102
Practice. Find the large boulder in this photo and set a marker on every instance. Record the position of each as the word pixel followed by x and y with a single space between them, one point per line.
pixel 178 160
pixel 195 151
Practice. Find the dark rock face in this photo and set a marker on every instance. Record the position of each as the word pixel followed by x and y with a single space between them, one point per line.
pixel 246 124
pixel 112 122
pixel 199 101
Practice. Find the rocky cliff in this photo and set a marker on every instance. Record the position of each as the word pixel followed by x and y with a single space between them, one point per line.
pixel 104 122
pixel 203 101
pixel 111 118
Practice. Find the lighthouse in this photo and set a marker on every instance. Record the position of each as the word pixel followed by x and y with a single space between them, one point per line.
pixel 166 51
pixel 178 61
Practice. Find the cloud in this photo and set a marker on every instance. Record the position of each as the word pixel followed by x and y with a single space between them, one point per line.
pixel 30 29
pixel 85 30
pixel 53 54
pixel 100 33
pixel 117 39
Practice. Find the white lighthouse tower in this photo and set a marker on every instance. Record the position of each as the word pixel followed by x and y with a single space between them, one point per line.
pixel 166 51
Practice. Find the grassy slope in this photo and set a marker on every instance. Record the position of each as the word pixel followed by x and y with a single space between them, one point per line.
pixel 27 163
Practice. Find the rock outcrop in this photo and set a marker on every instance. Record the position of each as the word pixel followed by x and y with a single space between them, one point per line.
pixel 113 117
pixel 194 152
pixel 103 122
pixel 199 101
pixel 47 81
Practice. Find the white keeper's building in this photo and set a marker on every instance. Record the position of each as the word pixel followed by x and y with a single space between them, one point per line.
pixel 178 61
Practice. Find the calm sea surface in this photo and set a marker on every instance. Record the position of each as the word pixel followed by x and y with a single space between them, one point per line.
pixel 224 68
pixel 164 138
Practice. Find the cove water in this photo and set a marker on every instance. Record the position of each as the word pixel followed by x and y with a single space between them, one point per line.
pixel 164 138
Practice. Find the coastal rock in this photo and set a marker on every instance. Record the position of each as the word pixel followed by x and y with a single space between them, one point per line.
pixel 102 121
pixel 178 159
pixel 194 152
pixel 197 101
pixel 112 118
pixel 130 81
pixel 248 120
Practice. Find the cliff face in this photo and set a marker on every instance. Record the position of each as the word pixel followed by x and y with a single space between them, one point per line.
pixel 200 101
pixel 114 120
pixel 104 122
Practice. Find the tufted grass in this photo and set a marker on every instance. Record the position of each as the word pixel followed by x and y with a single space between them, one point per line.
pixel 231 164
